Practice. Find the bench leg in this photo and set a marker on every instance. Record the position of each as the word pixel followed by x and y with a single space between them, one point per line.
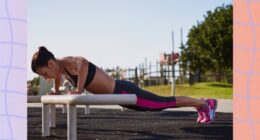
pixel 64 109
pixel 72 122
pixel 53 115
pixel 45 120
pixel 87 110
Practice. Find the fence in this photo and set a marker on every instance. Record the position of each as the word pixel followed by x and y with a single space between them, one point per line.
pixel 161 74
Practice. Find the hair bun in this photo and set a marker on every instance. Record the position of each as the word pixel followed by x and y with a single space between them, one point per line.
pixel 43 49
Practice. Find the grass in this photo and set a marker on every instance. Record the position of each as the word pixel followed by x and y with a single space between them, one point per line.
pixel 199 90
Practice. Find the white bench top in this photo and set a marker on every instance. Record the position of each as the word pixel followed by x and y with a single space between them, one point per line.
pixel 99 99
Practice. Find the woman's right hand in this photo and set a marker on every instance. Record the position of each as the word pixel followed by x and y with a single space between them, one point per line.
pixel 52 93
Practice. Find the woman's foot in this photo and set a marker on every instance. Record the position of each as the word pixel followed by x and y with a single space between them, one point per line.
pixel 200 112
pixel 207 114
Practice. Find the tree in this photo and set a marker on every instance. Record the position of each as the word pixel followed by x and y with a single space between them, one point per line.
pixel 33 87
pixel 209 45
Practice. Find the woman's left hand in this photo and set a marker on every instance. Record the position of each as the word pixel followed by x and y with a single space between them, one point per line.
pixel 73 92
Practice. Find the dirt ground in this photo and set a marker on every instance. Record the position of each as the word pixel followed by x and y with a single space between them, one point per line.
pixel 108 124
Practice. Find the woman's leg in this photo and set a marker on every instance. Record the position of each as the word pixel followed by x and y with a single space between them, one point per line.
pixel 183 101
pixel 147 101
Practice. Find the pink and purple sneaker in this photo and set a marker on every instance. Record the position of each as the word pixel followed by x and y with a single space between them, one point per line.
pixel 207 114
pixel 200 113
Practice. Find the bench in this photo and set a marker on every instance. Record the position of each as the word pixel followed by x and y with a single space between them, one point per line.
pixel 49 113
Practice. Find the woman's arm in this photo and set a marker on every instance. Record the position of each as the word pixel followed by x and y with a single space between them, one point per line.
pixel 55 90
pixel 57 82
pixel 82 66
pixel 82 70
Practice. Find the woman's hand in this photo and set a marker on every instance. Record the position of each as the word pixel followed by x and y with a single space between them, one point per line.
pixel 52 93
pixel 73 92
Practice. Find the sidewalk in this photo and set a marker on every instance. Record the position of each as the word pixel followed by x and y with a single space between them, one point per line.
pixel 225 106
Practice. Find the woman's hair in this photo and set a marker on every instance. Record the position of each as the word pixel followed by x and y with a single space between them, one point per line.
pixel 41 58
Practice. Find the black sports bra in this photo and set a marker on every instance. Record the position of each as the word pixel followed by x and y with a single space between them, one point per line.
pixel 91 73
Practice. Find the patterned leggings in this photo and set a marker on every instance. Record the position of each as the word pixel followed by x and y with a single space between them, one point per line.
pixel 146 101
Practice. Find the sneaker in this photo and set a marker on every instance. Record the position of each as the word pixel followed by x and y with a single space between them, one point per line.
pixel 209 112
pixel 213 103
pixel 200 113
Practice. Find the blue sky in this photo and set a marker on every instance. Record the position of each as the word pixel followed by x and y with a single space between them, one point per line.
pixel 112 33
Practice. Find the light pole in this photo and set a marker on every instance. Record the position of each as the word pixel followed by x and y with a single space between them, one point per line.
pixel 173 69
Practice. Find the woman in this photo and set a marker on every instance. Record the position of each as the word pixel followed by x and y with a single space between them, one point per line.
pixel 85 75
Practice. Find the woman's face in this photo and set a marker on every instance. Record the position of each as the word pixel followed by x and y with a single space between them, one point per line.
pixel 50 71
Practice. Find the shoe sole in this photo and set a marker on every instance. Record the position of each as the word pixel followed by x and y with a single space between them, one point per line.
pixel 215 107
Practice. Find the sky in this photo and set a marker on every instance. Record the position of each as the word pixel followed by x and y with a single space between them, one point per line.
pixel 112 33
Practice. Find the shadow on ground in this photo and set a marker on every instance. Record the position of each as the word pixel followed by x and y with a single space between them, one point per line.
pixel 133 125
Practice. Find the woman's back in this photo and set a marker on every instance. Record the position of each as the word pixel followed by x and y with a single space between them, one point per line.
pixel 101 82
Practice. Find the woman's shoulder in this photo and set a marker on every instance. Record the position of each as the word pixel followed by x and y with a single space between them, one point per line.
pixel 68 59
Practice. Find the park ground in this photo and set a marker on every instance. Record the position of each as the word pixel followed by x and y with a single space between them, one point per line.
pixel 114 124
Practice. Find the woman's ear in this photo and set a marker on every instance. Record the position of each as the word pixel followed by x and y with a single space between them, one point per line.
pixel 50 63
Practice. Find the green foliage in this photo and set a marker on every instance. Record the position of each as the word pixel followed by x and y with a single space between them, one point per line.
pixel 209 45
pixel 33 89
pixel 36 81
